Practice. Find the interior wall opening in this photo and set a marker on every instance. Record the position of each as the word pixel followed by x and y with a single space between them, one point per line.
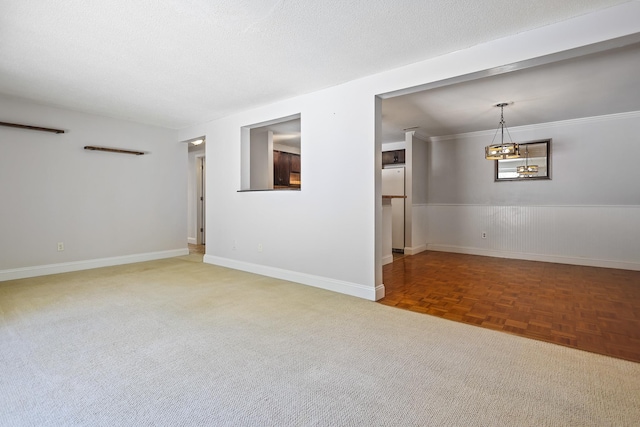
pixel 196 193
pixel 392 127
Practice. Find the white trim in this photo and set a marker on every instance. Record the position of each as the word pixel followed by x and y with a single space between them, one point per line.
pixel 388 259
pixel 44 270
pixel 532 206
pixel 192 241
pixel 354 289
pixel 415 249
pixel 538 126
pixel 622 265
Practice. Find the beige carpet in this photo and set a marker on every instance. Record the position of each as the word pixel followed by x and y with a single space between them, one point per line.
pixel 177 342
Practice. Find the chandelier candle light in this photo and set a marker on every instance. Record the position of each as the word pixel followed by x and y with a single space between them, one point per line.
pixel 502 150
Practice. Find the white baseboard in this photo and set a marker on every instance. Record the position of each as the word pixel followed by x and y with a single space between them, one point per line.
pixel 622 265
pixel 192 240
pixel 415 249
pixel 348 288
pixel 388 259
pixel 44 270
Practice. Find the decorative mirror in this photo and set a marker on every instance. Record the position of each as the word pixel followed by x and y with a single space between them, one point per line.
pixel 533 163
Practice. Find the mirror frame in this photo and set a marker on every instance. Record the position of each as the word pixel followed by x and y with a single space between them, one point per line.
pixel 529 178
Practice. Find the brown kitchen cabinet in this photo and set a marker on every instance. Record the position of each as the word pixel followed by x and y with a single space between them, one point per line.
pixel 286 170
pixel 295 162
pixel 393 157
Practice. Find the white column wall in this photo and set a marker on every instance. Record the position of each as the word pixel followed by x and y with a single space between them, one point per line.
pixel 261 158
pixel 599 236
pixel 420 178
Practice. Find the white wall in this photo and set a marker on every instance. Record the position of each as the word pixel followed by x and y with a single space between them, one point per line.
pixel 328 234
pixel 107 208
pixel 308 236
pixel 587 214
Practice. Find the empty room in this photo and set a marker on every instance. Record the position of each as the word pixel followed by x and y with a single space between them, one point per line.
pixel 515 127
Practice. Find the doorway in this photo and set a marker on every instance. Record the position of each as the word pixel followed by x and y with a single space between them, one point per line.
pixel 200 200
pixel 196 194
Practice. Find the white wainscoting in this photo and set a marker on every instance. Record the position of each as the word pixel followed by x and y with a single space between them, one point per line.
pixel 418 230
pixel 600 236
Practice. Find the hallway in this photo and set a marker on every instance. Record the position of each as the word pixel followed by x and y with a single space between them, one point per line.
pixel 196 249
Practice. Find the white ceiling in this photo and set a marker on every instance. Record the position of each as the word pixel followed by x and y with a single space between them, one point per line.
pixel 174 63
pixel 586 86
pixel 284 133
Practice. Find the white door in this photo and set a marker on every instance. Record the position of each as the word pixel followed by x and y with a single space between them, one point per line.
pixel 393 185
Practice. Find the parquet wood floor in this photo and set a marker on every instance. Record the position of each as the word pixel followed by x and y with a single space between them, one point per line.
pixel 589 308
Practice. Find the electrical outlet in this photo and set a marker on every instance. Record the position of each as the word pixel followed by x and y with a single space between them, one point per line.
pixel 259 247
pixel 484 234
pixel 60 246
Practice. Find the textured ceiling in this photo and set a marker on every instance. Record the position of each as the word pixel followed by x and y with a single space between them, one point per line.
pixel 174 63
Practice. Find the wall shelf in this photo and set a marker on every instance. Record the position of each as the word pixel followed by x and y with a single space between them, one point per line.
pixel 38 128
pixel 114 150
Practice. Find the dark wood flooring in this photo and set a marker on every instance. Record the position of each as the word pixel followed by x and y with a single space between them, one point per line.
pixel 589 308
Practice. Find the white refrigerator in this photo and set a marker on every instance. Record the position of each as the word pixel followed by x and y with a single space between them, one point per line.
pixel 393 185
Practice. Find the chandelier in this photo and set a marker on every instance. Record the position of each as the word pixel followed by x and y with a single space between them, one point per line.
pixel 502 150
pixel 527 170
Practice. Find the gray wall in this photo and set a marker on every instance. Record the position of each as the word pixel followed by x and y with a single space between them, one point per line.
pixel 99 204
pixel 587 214
pixel 593 162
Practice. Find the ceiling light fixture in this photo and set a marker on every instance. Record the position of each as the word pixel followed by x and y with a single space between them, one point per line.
pixel 527 170
pixel 502 150
pixel 197 141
